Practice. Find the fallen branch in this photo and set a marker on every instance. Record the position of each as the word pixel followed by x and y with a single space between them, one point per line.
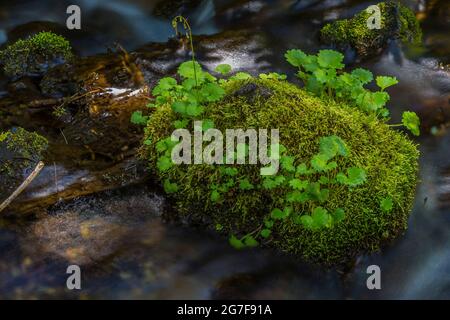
pixel 22 187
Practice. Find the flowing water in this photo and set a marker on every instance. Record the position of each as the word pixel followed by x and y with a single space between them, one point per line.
pixel 119 236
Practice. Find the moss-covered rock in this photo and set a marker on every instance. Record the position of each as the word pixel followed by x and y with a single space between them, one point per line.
pixel 171 8
pixel 388 156
pixel 397 22
pixel 20 151
pixel 35 55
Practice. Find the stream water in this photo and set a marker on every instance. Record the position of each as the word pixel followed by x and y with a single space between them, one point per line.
pixel 119 238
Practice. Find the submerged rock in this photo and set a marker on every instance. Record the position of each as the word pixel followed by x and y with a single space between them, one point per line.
pixel 397 22
pixel 84 109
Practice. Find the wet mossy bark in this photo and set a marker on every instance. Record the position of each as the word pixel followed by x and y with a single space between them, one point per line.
pixel 388 156
pixel 397 22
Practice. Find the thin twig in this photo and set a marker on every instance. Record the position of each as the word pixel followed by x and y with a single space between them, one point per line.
pixel 24 184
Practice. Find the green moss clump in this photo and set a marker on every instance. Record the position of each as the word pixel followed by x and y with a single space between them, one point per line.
pixel 35 55
pixel 397 21
pixel 20 151
pixel 388 156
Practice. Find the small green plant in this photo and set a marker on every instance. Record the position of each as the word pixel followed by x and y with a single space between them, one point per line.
pixel 3 135
pixel 188 99
pixel 411 121
pixel 59 111
pixel 323 75
pixel 34 55
pixel 397 22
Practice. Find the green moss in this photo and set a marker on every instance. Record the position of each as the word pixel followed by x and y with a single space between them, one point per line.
pixel 20 151
pixel 397 21
pixel 35 55
pixel 388 156
pixel 3 136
